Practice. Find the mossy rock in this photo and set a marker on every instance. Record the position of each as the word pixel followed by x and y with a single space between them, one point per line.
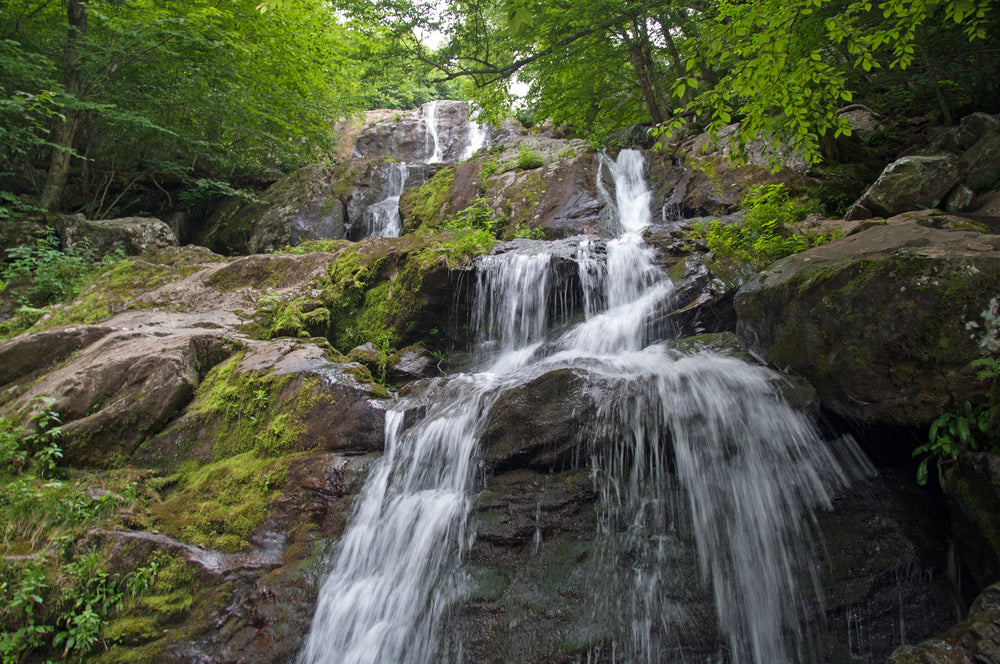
pixel 884 322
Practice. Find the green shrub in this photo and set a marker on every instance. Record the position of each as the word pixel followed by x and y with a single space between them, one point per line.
pixel 762 236
pixel 42 273
pixel 528 158
pixel 968 427
pixel 477 216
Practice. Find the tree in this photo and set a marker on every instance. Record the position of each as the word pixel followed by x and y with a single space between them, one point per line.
pixel 785 67
pixel 137 91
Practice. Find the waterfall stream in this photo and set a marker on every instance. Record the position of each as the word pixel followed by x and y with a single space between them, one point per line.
pixel 698 446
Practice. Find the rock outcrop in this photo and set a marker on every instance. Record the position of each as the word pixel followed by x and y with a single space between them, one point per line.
pixel 883 322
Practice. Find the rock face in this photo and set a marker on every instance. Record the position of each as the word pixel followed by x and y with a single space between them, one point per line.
pixel 975 639
pixel 884 322
pixel 961 161
pixel 527 184
pixel 409 136
pixel 300 206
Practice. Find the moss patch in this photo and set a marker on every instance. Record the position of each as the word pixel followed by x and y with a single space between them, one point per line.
pixel 374 291
pixel 219 505
pixel 427 206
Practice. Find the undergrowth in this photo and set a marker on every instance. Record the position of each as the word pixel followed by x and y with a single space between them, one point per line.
pixel 56 593
pixel 34 276
pixel 971 426
pixel 764 234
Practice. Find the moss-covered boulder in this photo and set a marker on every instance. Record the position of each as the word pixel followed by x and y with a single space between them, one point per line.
pixel 301 206
pixel 884 322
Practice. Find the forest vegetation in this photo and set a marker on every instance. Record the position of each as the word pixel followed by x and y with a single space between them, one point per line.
pixel 112 108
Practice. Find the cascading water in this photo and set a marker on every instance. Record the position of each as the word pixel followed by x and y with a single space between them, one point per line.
pixel 430 114
pixel 683 447
pixel 382 219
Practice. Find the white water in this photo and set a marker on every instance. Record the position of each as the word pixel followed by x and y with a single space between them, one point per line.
pixel 700 442
pixel 429 111
pixel 477 139
pixel 382 219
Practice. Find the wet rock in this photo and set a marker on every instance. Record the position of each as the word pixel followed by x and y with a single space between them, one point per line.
pixel 129 235
pixel 975 640
pixel 536 424
pixel 408 135
pixel 883 569
pixel 412 363
pixel 973 498
pixel 884 322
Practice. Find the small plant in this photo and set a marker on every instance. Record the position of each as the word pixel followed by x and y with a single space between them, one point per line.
pixel 969 427
pixel 528 158
pixel 477 216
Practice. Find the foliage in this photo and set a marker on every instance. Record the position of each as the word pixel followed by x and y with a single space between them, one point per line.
pixel 193 97
pixel 785 68
pixel 54 597
pixel 969 427
pixel 762 236
pixel 477 216
pixel 42 273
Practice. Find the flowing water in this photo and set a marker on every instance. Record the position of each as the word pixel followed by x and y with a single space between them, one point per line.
pixel 430 114
pixel 683 447
pixel 382 219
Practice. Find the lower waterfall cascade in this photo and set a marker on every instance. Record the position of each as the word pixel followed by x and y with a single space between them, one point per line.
pixel 694 446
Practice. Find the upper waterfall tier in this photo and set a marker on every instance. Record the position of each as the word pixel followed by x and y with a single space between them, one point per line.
pixel 440 132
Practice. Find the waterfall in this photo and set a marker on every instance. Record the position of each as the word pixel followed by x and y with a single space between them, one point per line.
pixel 477 139
pixel 381 219
pixel 430 115
pixel 697 447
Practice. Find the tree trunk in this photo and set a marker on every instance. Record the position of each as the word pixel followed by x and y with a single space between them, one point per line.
pixel 64 128
pixel 643 65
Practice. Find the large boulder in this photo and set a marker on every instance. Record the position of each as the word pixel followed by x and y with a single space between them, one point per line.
pixel 129 235
pixel 121 388
pixel 911 183
pixel 301 206
pixel 883 322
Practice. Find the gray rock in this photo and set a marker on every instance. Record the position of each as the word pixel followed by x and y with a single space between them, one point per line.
pixel 911 183
pixel 301 206
pixel 883 322
pixel 129 235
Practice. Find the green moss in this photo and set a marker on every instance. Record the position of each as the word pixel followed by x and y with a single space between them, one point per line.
pixel 251 410
pixel 426 206
pixel 219 505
